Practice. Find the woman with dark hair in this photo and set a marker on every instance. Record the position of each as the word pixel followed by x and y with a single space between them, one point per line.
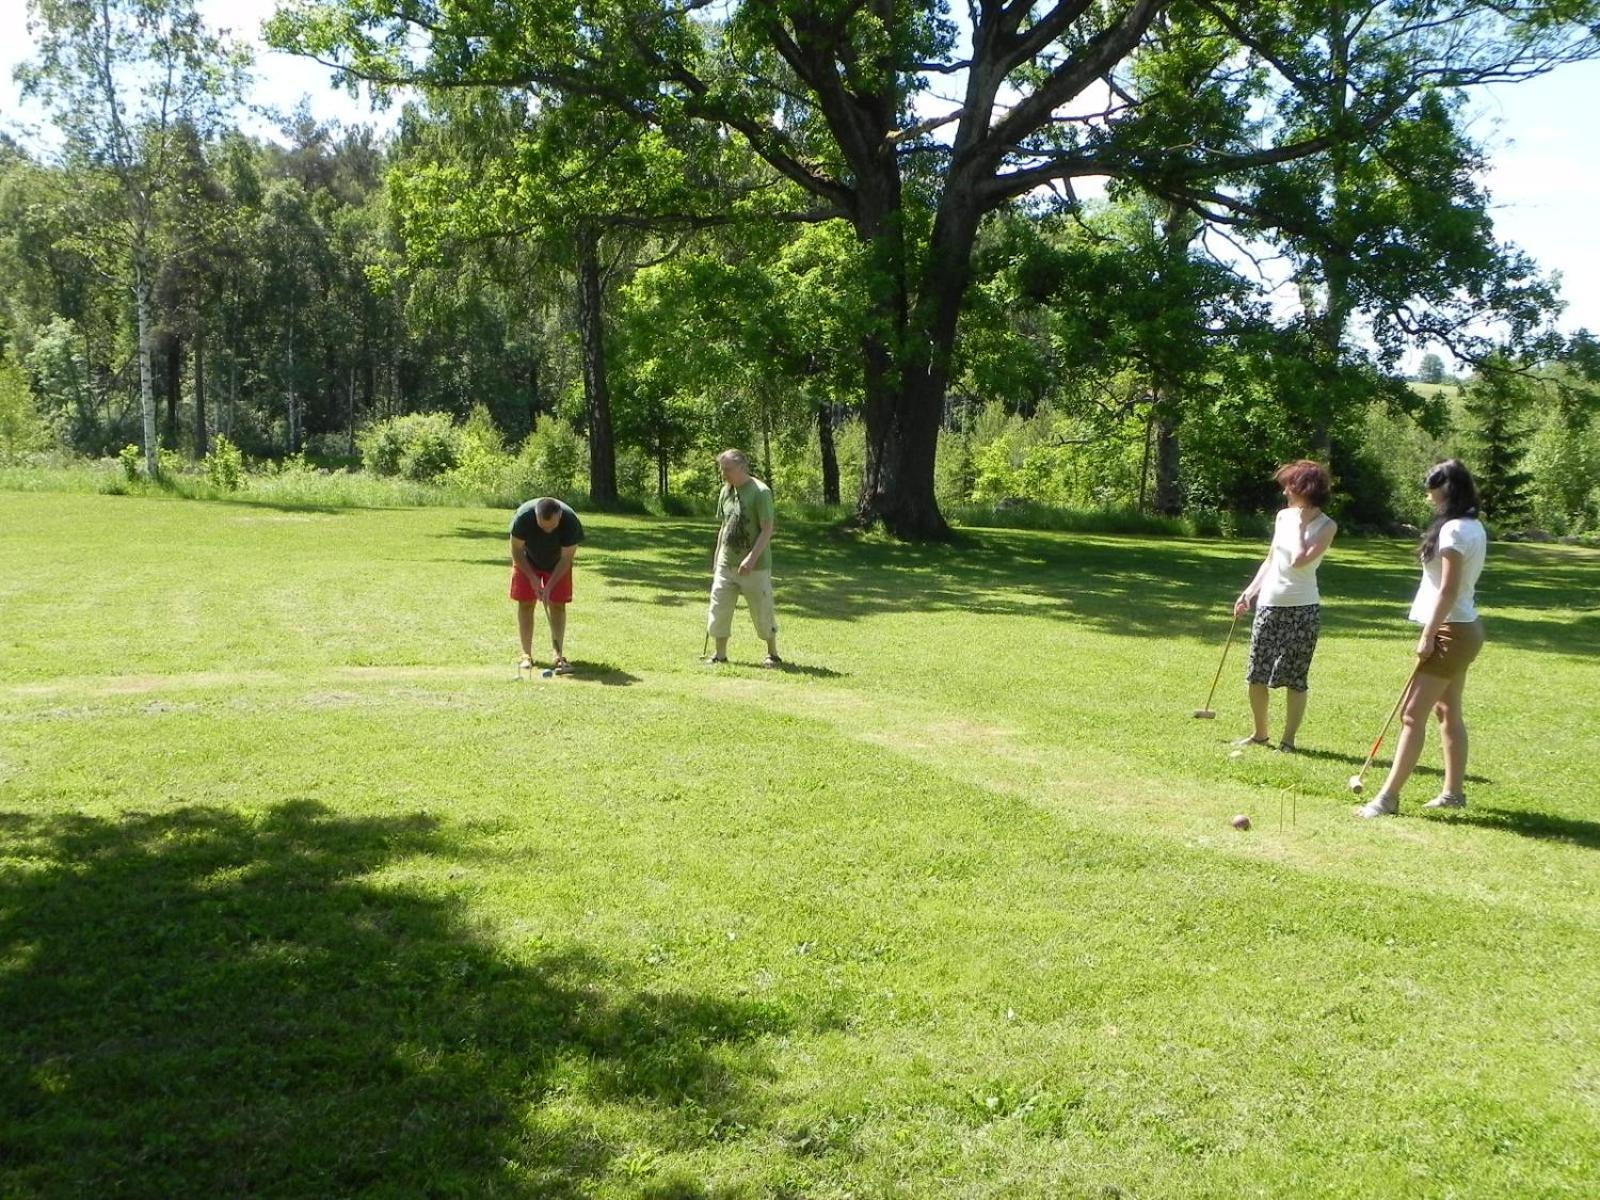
pixel 1283 636
pixel 1453 550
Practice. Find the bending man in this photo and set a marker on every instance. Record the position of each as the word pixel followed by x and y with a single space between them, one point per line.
pixel 544 538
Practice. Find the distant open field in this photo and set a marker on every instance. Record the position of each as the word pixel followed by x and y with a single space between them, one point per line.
pixel 303 894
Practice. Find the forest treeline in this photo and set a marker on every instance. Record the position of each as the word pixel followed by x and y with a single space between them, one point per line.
pixel 601 246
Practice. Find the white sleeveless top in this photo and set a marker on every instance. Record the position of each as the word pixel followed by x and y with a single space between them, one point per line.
pixel 1288 586
pixel 1467 537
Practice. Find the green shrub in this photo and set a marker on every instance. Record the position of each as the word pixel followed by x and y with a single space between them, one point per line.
pixel 169 463
pixel 636 474
pixel 132 460
pixel 483 471
pixel 1564 460
pixel 1025 514
pixel 418 446
pixel 551 461
pixel 23 428
pixel 225 465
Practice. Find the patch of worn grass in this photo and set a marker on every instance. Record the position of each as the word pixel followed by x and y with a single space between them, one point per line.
pixel 302 894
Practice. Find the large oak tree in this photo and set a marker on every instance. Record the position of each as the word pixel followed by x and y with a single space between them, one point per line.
pixel 1198 102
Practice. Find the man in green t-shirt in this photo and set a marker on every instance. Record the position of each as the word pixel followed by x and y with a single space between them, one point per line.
pixel 743 562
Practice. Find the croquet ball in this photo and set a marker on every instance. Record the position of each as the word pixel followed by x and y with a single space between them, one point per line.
pixel 547 673
pixel 1241 822
pixel 1356 786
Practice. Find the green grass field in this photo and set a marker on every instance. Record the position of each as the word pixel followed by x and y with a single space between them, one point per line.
pixel 302 894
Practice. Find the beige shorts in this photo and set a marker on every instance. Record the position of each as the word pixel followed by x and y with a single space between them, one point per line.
pixel 726 586
pixel 1458 644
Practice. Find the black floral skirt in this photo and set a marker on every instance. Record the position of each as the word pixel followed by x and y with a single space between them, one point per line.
pixel 1282 641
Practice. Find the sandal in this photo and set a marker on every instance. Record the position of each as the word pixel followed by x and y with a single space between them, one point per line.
pixel 717 658
pixel 1447 800
pixel 1253 741
pixel 526 663
pixel 561 667
pixel 1287 748
pixel 1381 805
pixel 772 660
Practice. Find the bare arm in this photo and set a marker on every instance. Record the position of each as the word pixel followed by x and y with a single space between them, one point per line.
pixel 519 560
pixel 563 566
pixel 1253 588
pixel 1317 546
pixel 762 538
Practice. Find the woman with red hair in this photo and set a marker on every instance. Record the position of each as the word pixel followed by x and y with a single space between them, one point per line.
pixel 1288 617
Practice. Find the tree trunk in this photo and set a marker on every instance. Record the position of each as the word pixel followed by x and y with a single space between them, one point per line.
pixel 289 400
pixel 906 385
pixel 147 391
pixel 533 395
pixel 174 384
pixel 902 444
pixel 591 325
pixel 200 432
pixel 1169 482
pixel 1144 467
pixel 766 447
pixel 830 454
pixel 1334 322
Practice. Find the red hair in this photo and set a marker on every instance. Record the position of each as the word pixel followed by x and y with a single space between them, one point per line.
pixel 1306 479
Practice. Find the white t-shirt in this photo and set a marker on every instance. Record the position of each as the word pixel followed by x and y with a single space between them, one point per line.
pixel 1288 586
pixel 1466 536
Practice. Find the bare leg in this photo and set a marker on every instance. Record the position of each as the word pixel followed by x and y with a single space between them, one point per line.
pixel 772 645
pixel 1294 711
pixel 722 647
pixel 556 614
pixel 1453 733
pixel 525 610
pixel 1425 693
pixel 1258 710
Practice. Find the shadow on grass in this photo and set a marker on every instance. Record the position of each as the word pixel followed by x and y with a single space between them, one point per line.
pixel 1177 588
pixel 606 674
pixel 789 667
pixel 1572 830
pixel 203 1003
pixel 1379 765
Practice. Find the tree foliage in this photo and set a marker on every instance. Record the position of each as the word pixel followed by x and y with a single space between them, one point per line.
pixel 1266 118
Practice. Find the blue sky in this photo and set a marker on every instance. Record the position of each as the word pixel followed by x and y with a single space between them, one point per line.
pixel 1543 136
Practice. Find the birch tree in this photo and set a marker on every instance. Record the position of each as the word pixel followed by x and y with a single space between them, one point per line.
pixel 124 82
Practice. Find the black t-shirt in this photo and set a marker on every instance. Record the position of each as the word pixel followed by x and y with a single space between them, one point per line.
pixel 544 549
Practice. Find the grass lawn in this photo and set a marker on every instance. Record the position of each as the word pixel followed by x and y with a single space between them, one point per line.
pixel 302 894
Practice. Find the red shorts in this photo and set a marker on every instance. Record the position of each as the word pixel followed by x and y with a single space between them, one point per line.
pixel 522 590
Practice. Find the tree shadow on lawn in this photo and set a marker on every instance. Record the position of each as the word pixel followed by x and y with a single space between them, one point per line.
pixel 1572 830
pixel 202 1002
pixel 318 507
pixel 1127 586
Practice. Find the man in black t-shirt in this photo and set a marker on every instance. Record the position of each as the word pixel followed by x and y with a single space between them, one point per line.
pixel 544 538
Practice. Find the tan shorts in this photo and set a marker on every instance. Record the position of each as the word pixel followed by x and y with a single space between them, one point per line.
pixel 726 586
pixel 1458 644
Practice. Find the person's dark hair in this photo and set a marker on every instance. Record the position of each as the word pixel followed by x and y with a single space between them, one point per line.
pixel 546 508
pixel 1306 479
pixel 1459 499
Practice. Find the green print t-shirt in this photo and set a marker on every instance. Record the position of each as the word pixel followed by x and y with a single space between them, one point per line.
pixel 742 510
